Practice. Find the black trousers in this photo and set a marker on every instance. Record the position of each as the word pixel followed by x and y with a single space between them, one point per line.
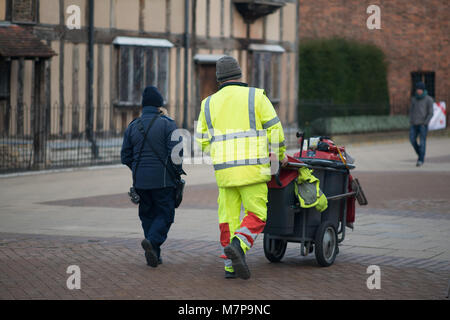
pixel 157 213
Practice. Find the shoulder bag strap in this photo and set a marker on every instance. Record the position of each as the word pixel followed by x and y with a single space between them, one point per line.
pixel 139 122
pixel 141 129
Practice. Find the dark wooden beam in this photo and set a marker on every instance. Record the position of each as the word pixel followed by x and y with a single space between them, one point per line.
pixel 168 16
pixel 61 69
pixel 141 15
pixel 106 36
pixel 20 100
pixel 100 86
pixel 40 115
pixel 75 90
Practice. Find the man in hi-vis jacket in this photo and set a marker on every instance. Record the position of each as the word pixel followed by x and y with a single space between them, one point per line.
pixel 236 126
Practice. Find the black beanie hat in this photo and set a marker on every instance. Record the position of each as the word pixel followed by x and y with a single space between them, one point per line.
pixel 420 85
pixel 152 97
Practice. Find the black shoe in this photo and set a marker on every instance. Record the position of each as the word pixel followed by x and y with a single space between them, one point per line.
pixel 234 252
pixel 230 275
pixel 159 260
pixel 150 254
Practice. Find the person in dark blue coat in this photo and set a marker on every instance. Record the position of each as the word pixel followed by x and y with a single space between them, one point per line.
pixel 153 182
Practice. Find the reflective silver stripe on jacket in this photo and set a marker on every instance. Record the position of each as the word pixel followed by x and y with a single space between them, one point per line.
pixel 238 163
pixel 208 117
pixel 271 123
pixel 251 108
pixel 201 135
pixel 251 112
pixel 242 134
pixel 252 132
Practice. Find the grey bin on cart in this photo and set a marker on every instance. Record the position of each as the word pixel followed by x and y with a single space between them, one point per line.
pixel 287 222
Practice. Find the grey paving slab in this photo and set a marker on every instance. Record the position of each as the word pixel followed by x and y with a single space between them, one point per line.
pixel 381 233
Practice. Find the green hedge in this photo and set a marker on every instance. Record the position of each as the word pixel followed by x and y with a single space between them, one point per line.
pixel 358 124
pixel 341 77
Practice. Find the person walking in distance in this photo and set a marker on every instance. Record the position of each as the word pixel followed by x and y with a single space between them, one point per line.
pixel 420 114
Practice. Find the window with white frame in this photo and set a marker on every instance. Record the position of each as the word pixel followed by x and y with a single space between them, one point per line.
pixel 266 69
pixel 141 62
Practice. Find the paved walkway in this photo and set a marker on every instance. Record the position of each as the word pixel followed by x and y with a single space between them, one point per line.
pixel 84 218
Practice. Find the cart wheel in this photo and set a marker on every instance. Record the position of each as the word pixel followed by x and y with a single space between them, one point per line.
pixel 326 244
pixel 274 249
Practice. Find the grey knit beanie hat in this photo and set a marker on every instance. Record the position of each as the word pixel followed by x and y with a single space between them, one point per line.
pixel 227 68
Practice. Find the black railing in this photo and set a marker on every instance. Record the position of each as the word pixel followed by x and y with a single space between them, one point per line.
pixel 62 141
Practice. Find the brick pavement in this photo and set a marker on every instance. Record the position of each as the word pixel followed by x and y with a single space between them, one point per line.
pixel 47 224
pixel 34 267
pixel 385 190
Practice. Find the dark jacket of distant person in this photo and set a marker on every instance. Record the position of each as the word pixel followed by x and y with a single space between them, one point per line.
pixel 151 173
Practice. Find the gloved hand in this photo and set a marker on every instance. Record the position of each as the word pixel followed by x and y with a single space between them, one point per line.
pixel 285 161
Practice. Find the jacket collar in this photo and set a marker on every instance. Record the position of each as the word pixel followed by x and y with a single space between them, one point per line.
pixel 233 83
pixel 423 95
pixel 149 110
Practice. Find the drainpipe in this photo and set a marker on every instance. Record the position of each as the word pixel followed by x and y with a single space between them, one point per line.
pixel 90 83
pixel 297 62
pixel 186 63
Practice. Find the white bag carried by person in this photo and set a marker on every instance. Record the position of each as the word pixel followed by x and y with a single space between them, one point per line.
pixel 439 117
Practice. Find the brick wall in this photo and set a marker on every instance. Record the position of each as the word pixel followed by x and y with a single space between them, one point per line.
pixel 414 36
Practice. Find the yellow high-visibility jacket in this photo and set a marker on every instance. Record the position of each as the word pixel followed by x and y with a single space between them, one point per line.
pixel 237 125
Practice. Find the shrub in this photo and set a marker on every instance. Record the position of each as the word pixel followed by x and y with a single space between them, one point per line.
pixel 341 77
pixel 358 124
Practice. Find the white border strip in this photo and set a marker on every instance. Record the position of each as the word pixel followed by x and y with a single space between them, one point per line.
pixel 266 47
pixel 207 58
pixel 143 42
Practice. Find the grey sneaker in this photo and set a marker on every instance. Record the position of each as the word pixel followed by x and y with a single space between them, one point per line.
pixel 419 164
pixel 234 252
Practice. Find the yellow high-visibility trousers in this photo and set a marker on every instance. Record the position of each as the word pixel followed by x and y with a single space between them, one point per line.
pixel 254 199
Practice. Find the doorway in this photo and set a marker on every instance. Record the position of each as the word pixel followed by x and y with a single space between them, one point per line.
pixel 208 82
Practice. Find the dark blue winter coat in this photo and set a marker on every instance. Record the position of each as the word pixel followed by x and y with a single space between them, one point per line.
pixel 151 173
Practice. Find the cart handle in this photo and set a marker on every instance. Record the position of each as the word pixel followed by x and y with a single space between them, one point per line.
pixel 277 175
pixel 342 196
pixel 297 165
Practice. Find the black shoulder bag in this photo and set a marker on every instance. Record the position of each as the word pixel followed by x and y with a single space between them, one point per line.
pixel 134 197
pixel 179 183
